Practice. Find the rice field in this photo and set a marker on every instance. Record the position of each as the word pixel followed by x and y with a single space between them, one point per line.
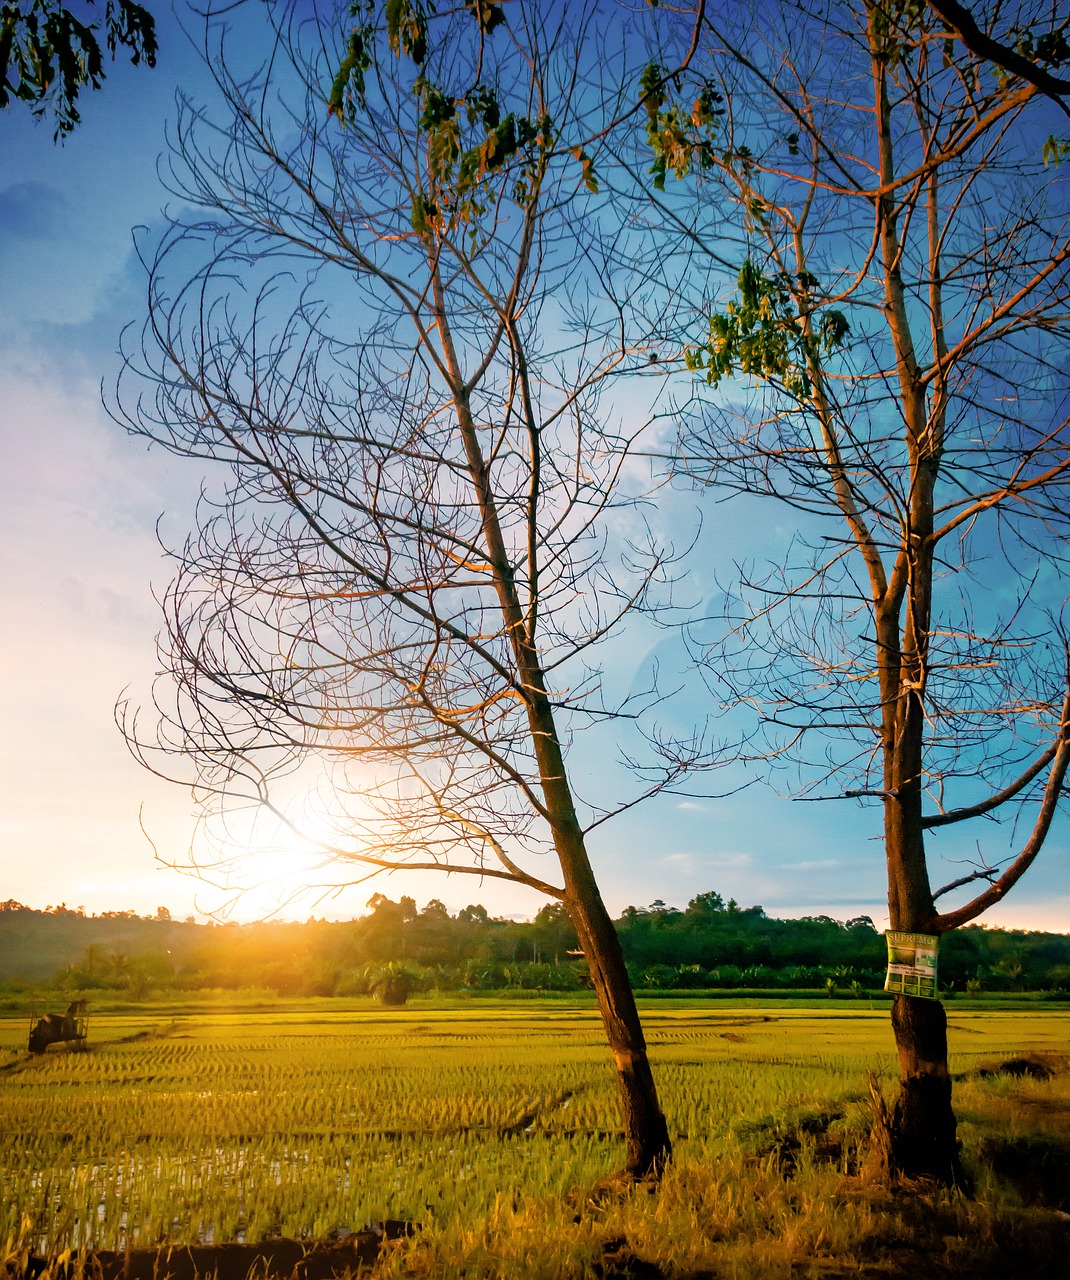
pixel 306 1121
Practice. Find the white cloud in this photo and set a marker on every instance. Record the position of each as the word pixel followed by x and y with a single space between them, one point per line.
pixel 694 864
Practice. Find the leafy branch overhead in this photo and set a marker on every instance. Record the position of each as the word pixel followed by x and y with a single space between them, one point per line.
pixel 765 336
pixel 468 136
pixel 48 54
pixel 458 172
pixel 406 27
pixel 680 140
pixel 1023 56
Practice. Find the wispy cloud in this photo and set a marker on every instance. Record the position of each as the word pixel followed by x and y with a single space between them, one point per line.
pixel 824 864
pixel 730 860
pixel 31 211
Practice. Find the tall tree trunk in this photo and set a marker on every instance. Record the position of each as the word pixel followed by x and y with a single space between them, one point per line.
pixel 924 1142
pixel 645 1130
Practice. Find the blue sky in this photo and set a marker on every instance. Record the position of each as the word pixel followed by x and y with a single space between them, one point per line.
pixel 80 560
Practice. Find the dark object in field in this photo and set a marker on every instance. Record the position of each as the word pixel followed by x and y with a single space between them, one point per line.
pixel 1038 1166
pixel 284 1259
pixel 394 984
pixel 61 1028
pixel 783 1134
pixel 1036 1066
pixel 621 1264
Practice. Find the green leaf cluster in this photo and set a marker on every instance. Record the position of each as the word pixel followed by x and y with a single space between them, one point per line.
pixel 469 140
pixel 406 29
pixel 1049 48
pixel 680 140
pixel 488 15
pixel 406 35
pixel 349 87
pixel 590 178
pixel 48 55
pixel 763 334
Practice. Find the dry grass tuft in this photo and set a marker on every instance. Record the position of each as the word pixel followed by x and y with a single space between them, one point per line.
pixel 879 1163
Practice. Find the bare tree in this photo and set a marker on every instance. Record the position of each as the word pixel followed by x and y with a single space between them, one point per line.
pixel 394 331
pixel 892 364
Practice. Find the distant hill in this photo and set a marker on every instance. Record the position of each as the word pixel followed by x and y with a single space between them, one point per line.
pixel 710 943
pixel 37 945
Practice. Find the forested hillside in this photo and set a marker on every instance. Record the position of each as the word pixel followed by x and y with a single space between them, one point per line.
pixel 710 943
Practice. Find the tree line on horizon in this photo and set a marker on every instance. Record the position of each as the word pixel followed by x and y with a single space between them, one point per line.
pixel 709 945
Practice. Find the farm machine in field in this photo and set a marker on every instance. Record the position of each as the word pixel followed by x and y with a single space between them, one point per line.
pixel 70 1028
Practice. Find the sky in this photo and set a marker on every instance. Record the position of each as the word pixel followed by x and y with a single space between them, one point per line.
pixel 80 821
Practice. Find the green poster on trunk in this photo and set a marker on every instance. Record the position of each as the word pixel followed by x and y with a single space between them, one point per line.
pixel 912 964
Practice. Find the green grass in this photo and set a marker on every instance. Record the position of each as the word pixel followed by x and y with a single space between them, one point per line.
pixel 483 1121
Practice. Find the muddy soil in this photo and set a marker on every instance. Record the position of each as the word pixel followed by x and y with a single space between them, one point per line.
pixel 275 1259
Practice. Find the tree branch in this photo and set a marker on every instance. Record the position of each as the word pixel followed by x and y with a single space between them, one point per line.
pixel 1021 864
pixel 985 873
pixel 993 801
pixel 960 20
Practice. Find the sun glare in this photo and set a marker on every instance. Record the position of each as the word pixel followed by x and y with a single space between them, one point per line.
pixel 276 881
pixel 264 865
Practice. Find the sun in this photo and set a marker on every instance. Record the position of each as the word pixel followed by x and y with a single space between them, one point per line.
pixel 266 865
pixel 276 882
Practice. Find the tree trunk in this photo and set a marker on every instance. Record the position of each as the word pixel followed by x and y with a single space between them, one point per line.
pixel 924 1144
pixel 923 1138
pixel 923 1124
pixel 923 1141
pixel 645 1130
